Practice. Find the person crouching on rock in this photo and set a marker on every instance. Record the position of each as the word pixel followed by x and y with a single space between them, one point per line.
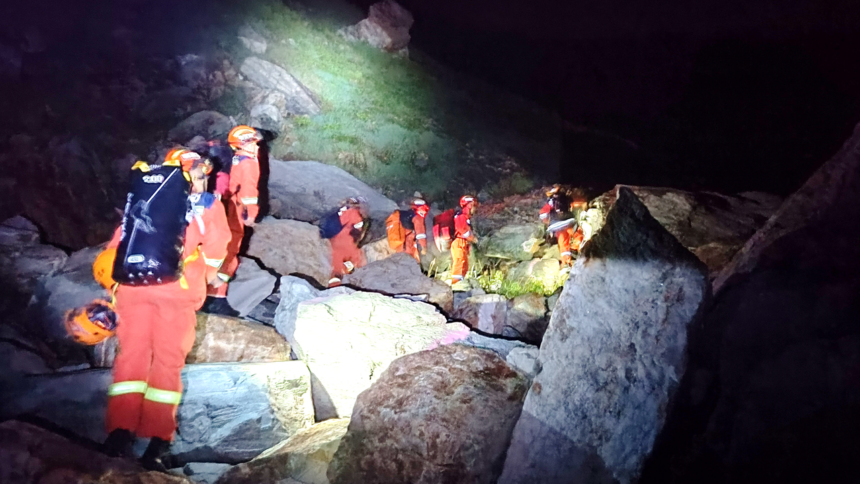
pixel 406 230
pixel 560 215
pixel 156 307
pixel 345 254
pixel 463 239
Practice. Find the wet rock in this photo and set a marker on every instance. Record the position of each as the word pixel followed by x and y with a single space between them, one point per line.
pixel 386 27
pixel 526 318
pixel 303 458
pixel 250 286
pixel 308 190
pixel 612 356
pixel 486 312
pixel 299 99
pixel 209 124
pixel 221 339
pixel 252 40
pixel 229 412
pixel 401 274
pixel 291 247
pixel 30 454
pixel 347 341
pixel 440 416
pixel 515 242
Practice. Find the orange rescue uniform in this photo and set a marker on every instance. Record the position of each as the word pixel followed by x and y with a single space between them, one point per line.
pixel 412 238
pixel 156 331
pixel 462 245
pixel 345 254
pixel 242 203
pixel 568 239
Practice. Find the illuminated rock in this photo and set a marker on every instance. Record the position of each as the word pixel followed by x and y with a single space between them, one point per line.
pixel 386 27
pixel 514 242
pixel 291 247
pixel 221 339
pixel 436 417
pixel 484 312
pixel 209 124
pixel 299 99
pixel 302 458
pixel 526 318
pixel 252 40
pixel 249 286
pixel 612 357
pixel 378 250
pixel 401 274
pixel 347 341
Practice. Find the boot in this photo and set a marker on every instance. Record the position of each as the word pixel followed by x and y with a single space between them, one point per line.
pixel 157 455
pixel 119 443
pixel 218 305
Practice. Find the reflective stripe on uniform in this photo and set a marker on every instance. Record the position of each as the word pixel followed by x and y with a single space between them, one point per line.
pixel 459 278
pixel 359 225
pixel 124 387
pixel 420 236
pixel 216 263
pixel 223 277
pixel 566 253
pixel 544 215
pixel 467 234
pixel 163 396
pixel 334 279
pixel 249 200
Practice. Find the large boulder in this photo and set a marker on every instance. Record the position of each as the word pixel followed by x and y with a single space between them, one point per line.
pixel 291 247
pixel 209 124
pixel 713 226
pixel 401 274
pixel 303 458
pixel 377 250
pixel 612 356
pixel 308 190
pixel 252 40
pixel 229 412
pixel 222 339
pixel 515 242
pixel 23 261
pixel 299 99
pixel 527 318
pixel 544 271
pixel 441 416
pixel 295 290
pixel 250 286
pixel 773 393
pixel 30 454
pixel 386 27
pixel 348 340
pixel 484 312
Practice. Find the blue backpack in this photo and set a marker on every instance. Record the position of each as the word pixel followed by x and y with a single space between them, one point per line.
pixel 330 225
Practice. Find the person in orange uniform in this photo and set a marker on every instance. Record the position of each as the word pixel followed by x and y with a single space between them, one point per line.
pixel 414 239
pixel 241 200
pixel 156 330
pixel 463 239
pixel 561 206
pixel 345 254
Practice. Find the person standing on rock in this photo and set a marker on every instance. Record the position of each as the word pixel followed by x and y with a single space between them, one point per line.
pixel 559 214
pixel 241 201
pixel 406 229
pixel 157 320
pixel 345 254
pixel 464 237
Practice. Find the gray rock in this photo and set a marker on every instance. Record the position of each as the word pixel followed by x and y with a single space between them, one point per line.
pixel 23 261
pixel 544 270
pixel 266 117
pixel 308 190
pixel 487 312
pixel 205 472
pixel 348 340
pixel 376 251
pixel 250 286
pixel 222 339
pixel 401 274
pixel 229 412
pixel 299 99
pixel 291 247
pixel 525 359
pixel 440 416
pixel 527 318
pixel 612 357
pixel 209 124
pixel 498 345
pixel 252 40
pixel 515 242
pixel 264 312
pixel 387 27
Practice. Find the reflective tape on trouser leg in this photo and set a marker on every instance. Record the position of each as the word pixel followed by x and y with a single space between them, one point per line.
pixel 124 387
pixel 162 396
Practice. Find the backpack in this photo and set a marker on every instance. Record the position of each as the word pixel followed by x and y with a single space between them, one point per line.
pixel 443 230
pixel 396 226
pixel 330 225
pixel 153 226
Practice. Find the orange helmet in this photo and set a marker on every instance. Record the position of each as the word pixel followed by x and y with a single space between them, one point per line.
pixel 553 190
pixel 182 157
pixel 241 135
pixel 467 199
pixel 103 268
pixel 420 206
pixel 92 323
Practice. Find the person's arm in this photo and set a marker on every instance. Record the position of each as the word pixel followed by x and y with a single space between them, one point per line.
pixel 248 193
pixel 544 213
pixel 420 232
pixel 215 240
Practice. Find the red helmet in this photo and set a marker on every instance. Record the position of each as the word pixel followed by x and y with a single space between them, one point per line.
pixel 242 135
pixel 420 206
pixel 467 199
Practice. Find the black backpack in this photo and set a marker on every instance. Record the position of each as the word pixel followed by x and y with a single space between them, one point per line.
pixel 330 225
pixel 406 219
pixel 153 226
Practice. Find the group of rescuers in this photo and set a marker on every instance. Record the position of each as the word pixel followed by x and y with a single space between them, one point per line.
pixel 154 315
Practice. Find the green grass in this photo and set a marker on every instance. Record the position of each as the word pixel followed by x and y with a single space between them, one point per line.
pixel 493 278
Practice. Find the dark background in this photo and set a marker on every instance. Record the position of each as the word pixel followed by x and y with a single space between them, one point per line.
pixel 723 95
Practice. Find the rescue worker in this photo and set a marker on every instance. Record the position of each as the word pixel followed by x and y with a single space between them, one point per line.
pixel 345 254
pixel 561 206
pixel 157 326
pixel 409 235
pixel 463 239
pixel 241 201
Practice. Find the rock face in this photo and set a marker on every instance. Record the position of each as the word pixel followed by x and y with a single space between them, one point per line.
pixel 401 274
pixel 386 27
pixel 221 339
pixel 303 458
pixel 515 242
pixel 612 356
pixel 347 341
pixel 23 261
pixel 377 250
pixel 772 393
pixel 249 286
pixel 711 225
pixel 440 416
pixel 209 124
pixel 299 99
pixel 291 247
pixel 484 312
pixel 252 40
pixel 527 318
pixel 308 190
pixel 229 413
pixel 29 454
